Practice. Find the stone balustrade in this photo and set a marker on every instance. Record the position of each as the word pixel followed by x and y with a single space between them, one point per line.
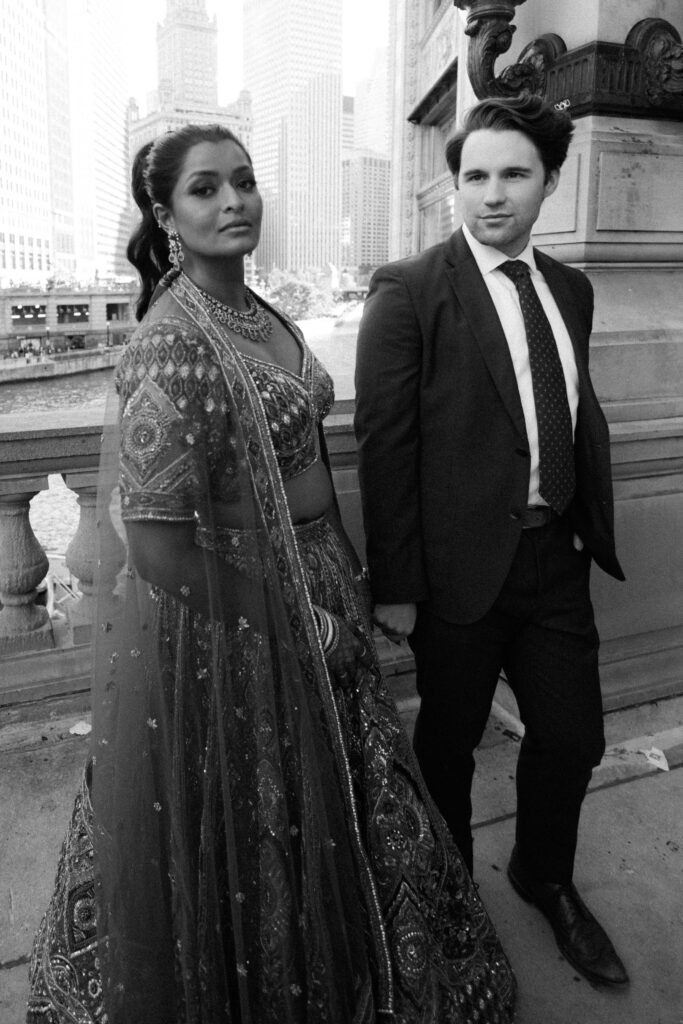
pixel 44 657
pixel 37 657
pixel 641 621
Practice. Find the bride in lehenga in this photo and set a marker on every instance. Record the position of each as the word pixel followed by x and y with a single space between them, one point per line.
pixel 252 841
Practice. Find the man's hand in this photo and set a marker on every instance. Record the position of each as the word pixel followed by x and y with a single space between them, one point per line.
pixel 396 621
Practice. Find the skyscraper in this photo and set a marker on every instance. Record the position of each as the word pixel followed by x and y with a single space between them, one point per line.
pixel 28 136
pixel 98 96
pixel 366 170
pixel 372 109
pixel 187 48
pixel 292 68
pixel 348 126
pixel 63 176
pixel 366 177
pixel 188 85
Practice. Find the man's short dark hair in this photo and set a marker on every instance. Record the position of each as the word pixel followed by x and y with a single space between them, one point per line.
pixel 549 129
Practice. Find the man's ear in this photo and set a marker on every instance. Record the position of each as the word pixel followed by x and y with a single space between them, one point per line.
pixel 551 182
pixel 164 217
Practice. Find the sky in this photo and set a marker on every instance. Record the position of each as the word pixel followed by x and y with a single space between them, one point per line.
pixel 365 29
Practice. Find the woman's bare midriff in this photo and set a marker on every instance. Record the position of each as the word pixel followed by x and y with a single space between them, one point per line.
pixel 309 495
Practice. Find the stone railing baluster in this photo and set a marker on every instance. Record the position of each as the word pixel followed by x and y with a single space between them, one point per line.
pixel 24 625
pixel 83 553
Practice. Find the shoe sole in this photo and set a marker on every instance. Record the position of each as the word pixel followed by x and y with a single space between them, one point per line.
pixel 595 979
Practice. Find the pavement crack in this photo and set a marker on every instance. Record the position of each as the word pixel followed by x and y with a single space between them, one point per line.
pixel 20 961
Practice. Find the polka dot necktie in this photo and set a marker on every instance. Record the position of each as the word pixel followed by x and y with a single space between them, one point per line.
pixel 555 436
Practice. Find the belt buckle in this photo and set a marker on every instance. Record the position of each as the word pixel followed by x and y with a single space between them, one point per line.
pixel 535 516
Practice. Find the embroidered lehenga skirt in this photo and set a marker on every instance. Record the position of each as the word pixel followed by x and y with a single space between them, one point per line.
pixel 444 957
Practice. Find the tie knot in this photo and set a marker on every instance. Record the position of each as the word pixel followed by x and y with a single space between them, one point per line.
pixel 516 270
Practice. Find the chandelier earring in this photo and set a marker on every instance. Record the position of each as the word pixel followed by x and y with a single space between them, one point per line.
pixel 175 250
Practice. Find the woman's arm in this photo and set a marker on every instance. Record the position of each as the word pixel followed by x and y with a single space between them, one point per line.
pixel 166 556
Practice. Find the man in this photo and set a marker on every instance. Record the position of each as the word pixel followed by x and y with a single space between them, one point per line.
pixel 485 478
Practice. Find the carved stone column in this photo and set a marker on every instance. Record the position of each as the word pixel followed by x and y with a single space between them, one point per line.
pixel 24 625
pixel 94 556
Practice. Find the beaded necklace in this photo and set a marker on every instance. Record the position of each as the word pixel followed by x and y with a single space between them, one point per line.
pixel 253 323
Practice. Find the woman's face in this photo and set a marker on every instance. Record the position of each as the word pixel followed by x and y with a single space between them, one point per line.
pixel 215 207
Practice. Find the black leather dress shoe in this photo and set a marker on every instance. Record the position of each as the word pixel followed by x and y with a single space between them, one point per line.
pixel 581 939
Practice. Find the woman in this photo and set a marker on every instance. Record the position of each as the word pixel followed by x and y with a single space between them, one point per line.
pixel 264 848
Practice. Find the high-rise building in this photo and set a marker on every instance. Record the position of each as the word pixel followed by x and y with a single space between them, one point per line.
pixel 372 110
pixel 62 139
pixel 188 85
pixel 236 116
pixel 292 68
pixel 58 108
pixel 366 177
pixel 348 126
pixel 366 168
pixel 187 49
pixel 99 99
pixel 26 229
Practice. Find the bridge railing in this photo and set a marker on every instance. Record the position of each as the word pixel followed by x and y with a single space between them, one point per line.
pixel 44 654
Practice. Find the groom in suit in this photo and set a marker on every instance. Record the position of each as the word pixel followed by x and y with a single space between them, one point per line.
pixel 485 478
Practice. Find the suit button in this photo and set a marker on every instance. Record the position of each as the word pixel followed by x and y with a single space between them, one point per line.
pixel 515 515
pixel 522 452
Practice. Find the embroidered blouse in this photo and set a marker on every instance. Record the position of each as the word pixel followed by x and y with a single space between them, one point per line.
pixel 294 405
pixel 177 446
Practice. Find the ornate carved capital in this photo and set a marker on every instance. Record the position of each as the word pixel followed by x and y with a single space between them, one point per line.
pixel 490 30
pixel 643 77
pixel 661 55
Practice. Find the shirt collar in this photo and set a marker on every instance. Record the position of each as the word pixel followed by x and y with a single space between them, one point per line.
pixel 487 258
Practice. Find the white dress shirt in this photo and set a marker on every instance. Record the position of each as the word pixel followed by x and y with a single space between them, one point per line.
pixel 506 300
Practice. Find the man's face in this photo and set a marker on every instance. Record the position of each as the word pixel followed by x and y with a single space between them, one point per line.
pixel 502 184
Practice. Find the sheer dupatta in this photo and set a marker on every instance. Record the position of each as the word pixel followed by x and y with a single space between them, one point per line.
pixel 232 882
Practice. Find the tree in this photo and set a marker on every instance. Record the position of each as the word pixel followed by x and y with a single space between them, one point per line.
pixel 297 298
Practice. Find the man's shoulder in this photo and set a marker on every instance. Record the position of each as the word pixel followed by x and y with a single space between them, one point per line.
pixel 546 262
pixel 415 264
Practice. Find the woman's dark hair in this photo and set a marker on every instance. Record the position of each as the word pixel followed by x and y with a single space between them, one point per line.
pixel 156 169
pixel 549 129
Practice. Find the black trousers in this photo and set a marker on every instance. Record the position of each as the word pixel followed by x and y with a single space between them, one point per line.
pixel 541 631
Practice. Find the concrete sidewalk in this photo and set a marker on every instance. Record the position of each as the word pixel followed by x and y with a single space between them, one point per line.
pixel 629 864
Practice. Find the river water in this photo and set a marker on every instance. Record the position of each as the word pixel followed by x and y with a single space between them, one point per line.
pixel 80 389
pixel 54 512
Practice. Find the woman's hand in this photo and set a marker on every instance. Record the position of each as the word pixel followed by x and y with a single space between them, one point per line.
pixel 397 621
pixel 347 653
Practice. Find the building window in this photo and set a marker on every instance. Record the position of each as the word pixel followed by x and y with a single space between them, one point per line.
pixel 117 311
pixel 73 314
pixel 28 315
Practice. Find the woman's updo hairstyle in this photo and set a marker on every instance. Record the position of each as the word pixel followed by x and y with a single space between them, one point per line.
pixel 156 169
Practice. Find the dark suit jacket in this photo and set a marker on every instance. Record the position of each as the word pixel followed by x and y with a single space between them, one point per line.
pixel 442 446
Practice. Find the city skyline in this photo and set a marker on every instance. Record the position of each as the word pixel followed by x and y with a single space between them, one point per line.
pixel 67 207
pixel 364 31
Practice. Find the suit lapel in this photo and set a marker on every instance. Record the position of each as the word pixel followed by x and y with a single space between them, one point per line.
pixel 477 305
